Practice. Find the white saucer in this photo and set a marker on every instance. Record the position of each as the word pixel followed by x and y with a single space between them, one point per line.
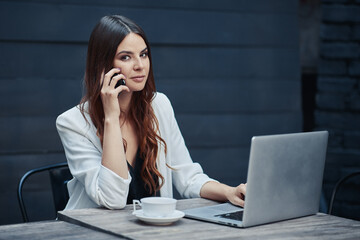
pixel 159 220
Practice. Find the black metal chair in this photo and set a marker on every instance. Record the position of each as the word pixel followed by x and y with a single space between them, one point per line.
pixel 59 176
pixel 337 186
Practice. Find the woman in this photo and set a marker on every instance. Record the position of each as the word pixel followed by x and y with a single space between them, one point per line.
pixel 122 142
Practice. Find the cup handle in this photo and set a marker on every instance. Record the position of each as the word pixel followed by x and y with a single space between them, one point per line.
pixel 134 205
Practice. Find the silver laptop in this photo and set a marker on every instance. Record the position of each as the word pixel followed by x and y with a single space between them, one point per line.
pixel 284 181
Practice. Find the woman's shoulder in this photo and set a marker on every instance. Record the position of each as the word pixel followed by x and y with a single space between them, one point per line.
pixel 75 117
pixel 161 101
pixel 163 110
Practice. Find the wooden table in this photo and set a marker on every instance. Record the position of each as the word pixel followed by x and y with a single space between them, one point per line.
pixel 125 225
pixel 51 230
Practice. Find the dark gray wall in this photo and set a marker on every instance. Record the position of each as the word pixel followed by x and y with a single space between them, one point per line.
pixel 230 68
pixel 338 100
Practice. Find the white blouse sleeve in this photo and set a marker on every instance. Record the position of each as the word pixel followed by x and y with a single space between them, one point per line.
pixel 188 176
pixel 84 154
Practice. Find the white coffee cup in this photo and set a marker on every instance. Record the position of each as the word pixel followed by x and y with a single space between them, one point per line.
pixel 156 206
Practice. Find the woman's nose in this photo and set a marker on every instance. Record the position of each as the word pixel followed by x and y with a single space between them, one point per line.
pixel 138 64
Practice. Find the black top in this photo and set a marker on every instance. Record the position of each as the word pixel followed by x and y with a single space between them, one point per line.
pixel 137 188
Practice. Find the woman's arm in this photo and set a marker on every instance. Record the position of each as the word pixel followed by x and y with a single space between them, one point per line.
pixel 187 176
pixel 84 155
pixel 113 156
pixel 221 192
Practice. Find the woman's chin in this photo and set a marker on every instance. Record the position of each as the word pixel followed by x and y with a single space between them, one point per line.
pixel 137 87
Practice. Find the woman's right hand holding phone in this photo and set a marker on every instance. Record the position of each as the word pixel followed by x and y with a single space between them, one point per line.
pixel 109 94
pixel 113 156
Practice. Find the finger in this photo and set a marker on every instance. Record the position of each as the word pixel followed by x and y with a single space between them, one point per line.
pixel 102 78
pixel 115 80
pixel 121 89
pixel 241 189
pixel 108 76
pixel 238 201
pixel 241 203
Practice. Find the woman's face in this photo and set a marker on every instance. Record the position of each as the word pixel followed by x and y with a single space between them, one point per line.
pixel 133 60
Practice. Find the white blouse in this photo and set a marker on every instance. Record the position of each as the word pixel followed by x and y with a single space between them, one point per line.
pixel 94 185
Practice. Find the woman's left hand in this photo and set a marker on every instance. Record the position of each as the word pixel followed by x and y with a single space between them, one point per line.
pixel 222 192
pixel 236 195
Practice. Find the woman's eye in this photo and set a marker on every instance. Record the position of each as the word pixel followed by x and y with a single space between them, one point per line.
pixel 125 57
pixel 144 55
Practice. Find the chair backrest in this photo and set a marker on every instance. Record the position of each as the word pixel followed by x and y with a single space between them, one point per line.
pixel 338 186
pixel 59 176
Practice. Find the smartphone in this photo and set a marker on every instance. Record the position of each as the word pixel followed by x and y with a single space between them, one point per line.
pixel 120 82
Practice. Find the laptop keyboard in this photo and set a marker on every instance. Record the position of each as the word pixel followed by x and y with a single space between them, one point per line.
pixel 234 215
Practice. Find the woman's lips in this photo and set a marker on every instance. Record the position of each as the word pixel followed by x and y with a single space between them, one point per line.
pixel 138 78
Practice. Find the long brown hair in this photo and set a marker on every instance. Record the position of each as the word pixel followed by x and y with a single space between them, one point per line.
pixel 103 43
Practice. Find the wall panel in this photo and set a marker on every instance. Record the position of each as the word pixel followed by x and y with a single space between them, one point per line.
pixel 173 26
pixel 230 69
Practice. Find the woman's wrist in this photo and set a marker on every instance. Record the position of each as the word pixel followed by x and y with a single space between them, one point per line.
pixel 216 191
pixel 228 192
pixel 111 120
